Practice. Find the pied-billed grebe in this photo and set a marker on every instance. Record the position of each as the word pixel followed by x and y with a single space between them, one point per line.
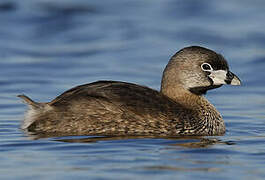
pixel 120 108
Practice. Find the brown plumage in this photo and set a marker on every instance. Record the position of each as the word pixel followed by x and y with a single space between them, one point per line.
pixel 120 108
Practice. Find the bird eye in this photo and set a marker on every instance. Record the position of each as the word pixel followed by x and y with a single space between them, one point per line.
pixel 206 67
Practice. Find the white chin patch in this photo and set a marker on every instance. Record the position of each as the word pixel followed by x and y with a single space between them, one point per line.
pixel 218 77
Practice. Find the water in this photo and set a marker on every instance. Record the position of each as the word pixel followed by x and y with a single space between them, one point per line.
pixel 49 46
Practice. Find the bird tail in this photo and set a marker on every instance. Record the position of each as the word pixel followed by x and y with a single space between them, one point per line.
pixel 31 115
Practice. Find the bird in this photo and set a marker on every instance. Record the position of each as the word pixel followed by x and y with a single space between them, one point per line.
pixel 115 108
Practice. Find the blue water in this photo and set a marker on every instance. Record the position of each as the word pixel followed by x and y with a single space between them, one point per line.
pixel 47 47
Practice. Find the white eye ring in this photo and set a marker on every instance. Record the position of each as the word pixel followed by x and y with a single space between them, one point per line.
pixel 206 67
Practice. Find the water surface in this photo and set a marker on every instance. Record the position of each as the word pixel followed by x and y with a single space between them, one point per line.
pixel 47 47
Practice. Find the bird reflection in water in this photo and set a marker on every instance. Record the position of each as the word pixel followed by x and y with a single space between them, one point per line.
pixel 184 141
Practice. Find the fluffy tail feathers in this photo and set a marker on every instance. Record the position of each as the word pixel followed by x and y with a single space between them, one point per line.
pixel 32 104
pixel 35 109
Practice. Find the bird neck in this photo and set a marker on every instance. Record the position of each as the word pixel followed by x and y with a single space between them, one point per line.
pixel 198 104
pixel 184 96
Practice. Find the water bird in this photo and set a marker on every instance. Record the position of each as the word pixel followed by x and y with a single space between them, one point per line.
pixel 114 108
